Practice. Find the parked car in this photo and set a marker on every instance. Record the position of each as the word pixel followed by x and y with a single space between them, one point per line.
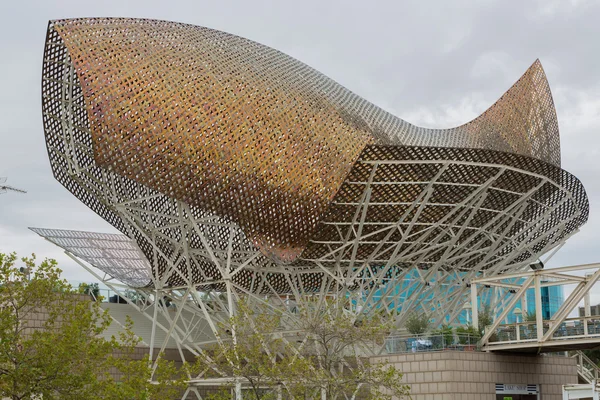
pixel 419 344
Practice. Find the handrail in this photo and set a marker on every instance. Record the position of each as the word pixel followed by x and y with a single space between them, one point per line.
pixel 586 368
pixel 431 342
pixel 595 318
pixel 569 328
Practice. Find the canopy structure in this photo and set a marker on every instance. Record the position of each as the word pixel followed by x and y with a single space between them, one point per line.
pixel 230 163
pixel 115 254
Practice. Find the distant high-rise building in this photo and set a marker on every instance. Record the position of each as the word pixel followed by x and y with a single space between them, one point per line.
pixel 594 310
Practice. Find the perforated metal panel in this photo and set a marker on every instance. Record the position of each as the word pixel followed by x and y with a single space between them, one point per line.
pixel 182 134
pixel 452 208
pixel 115 254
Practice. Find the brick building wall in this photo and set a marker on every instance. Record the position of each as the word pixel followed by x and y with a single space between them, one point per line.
pixel 457 375
pixel 448 375
pixel 37 317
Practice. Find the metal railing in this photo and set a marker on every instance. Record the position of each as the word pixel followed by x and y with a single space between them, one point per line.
pixel 539 333
pixel 110 296
pixel 586 368
pixel 432 342
pixel 569 328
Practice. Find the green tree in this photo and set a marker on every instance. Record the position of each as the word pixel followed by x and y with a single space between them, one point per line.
pixel 326 356
pixel 593 355
pixel 417 323
pixel 138 380
pixel 467 335
pixel 338 342
pixel 530 317
pixel 485 318
pixel 51 345
pixel 444 336
pixel 91 289
pixel 250 349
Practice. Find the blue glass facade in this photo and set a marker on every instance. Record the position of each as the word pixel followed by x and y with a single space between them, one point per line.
pixel 552 298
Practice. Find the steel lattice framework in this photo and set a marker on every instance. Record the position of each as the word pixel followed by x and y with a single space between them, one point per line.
pixel 176 133
pixel 232 167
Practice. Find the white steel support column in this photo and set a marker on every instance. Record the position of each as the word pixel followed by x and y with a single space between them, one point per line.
pixel 546 339
pixel 539 318
pixel 154 324
pixel 441 256
pixel 238 390
pixel 474 306
pixel 587 313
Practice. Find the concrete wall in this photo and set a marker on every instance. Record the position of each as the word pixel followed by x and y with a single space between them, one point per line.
pixel 458 375
pixel 142 326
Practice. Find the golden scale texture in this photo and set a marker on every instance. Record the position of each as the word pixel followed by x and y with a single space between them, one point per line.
pixel 184 116
pixel 244 132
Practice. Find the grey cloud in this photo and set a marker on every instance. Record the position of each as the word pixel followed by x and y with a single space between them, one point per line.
pixel 432 63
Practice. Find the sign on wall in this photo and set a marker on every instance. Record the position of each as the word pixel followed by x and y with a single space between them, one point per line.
pixel 514 388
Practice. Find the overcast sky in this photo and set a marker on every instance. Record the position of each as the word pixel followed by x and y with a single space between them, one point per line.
pixel 434 64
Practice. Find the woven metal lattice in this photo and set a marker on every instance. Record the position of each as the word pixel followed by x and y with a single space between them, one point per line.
pixel 424 204
pixel 249 133
pixel 222 143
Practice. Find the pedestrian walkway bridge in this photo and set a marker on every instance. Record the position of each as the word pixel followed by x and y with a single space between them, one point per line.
pixel 562 332
pixel 572 334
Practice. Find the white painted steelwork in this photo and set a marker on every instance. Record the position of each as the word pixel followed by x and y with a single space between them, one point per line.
pixel 556 334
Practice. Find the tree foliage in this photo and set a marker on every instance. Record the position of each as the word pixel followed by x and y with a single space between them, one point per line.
pixel 417 323
pixel 91 289
pixel 249 348
pixel 593 355
pixel 467 334
pixel 325 357
pixel 530 317
pixel 446 334
pixel 485 318
pixel 338 342
pixel 137 379
pixel 51 345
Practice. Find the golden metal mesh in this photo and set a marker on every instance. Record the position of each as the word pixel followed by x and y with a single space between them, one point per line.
pixel 136 109
pixel 170 108
pixel 249 133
